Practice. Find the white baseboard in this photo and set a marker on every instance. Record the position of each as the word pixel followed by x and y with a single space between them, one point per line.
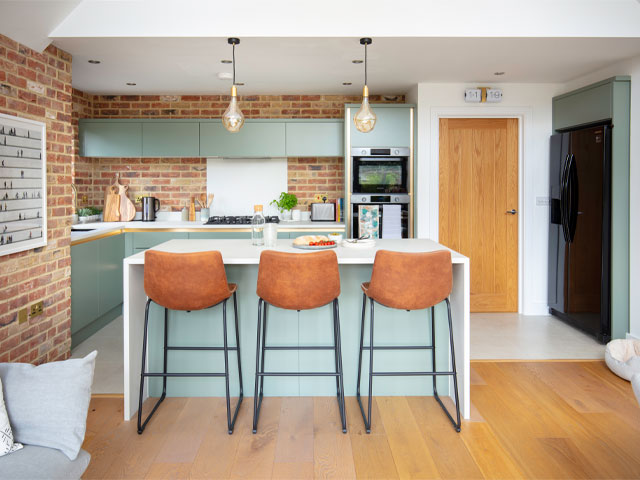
pixel 633 337
pixel 537 309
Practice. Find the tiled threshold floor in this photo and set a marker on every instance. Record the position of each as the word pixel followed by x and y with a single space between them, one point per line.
pixel 494 336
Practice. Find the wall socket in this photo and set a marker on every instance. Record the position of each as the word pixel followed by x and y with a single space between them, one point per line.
pixel 36 309
pixel 84 199
pixel 138 198
pixel 318 197
pixel 23 315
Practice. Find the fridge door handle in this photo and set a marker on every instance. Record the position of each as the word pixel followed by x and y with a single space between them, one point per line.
pixel 563 199
pixel 572 195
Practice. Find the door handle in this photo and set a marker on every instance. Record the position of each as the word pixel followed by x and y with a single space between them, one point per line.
pixel 512 211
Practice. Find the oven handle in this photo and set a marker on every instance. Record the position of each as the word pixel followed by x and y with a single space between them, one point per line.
pixel 381 159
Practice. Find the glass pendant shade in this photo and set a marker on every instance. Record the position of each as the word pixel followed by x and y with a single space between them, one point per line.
pixel 233 118
pixel 364 118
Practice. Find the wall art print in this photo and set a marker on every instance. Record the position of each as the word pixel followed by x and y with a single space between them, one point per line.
pixel 23 184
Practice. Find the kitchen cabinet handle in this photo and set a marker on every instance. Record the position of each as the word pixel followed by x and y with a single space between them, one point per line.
pixel 512 211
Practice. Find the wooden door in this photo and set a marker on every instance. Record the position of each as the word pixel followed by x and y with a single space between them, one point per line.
pixel 478 187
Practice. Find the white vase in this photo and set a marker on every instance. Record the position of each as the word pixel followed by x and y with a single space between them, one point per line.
pixel 285 215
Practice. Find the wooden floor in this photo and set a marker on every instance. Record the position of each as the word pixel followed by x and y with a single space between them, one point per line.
pixel 530 420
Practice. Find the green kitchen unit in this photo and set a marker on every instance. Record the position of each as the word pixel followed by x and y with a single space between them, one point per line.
pixel 110 138
pixel 609 99
pixel 96 285
pixel 315 138
pixel 394 126
pixel 255 139
pixel 170 139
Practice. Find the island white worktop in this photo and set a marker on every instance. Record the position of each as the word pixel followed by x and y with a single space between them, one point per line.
pixel 241 260
pixel 242 252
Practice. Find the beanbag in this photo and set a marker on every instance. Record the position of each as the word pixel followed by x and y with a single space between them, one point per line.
pixel 623 357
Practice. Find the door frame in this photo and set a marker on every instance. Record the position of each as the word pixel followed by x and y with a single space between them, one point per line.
pixel 525 118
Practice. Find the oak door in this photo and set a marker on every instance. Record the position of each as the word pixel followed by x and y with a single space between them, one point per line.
pixel 478 205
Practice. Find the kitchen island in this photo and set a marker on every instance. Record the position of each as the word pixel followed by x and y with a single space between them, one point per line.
pixel 285 327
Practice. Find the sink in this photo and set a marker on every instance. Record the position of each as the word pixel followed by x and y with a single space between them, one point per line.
pixel 82 229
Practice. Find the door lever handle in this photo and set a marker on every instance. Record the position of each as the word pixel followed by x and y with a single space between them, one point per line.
pixel 512 211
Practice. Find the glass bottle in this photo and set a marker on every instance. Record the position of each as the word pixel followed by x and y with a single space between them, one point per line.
pixel 257 226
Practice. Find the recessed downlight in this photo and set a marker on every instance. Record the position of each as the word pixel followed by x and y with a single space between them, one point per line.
pixel 497 74
pixel 131 84
pixel 225 75
pixel 346 84
pixel 357 62
pixel 94 62
pixel 226 61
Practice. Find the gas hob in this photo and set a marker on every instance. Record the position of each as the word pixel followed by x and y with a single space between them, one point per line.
pixel 237 220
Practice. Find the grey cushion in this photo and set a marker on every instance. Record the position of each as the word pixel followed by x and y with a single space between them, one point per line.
pixel 39 462
pixel 48 404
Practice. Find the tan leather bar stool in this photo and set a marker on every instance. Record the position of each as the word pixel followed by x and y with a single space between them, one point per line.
pixel 187 282
pixel 409 281
pixel 290 281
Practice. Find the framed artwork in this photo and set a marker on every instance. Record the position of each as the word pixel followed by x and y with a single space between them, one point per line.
pixel 23 184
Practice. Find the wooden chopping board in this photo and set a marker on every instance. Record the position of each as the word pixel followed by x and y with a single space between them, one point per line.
pixel 112 205
pixel 127 208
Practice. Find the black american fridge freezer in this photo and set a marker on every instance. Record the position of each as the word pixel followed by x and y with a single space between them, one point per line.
pixel 580 229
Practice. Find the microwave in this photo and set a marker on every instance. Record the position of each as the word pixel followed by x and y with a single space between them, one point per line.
pixel 380 170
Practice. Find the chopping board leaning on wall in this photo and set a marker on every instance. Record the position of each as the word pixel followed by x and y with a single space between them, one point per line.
pixel 127 208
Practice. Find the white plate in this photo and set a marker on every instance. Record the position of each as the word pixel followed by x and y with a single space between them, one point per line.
pixel 315 247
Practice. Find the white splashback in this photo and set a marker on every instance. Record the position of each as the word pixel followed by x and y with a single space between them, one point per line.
pixel 240 183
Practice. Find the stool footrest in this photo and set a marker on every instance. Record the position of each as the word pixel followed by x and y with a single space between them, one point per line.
pixel 202 348
pixel 400 347
pixel 184 374
pixel 410 374
pixel 303 347
pixel 297 374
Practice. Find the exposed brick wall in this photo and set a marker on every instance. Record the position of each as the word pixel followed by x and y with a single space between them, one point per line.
pixel 173 181
pixel 38 86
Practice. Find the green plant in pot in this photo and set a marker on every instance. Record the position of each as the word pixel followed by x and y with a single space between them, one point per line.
pixel 285 203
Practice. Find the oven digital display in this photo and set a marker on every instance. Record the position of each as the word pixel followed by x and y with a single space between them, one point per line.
pixel 381 174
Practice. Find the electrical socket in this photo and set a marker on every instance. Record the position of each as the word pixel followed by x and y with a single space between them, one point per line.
pixel 36 309
pixel 318 197
pixel 84 199
pixel 138 198
pixel 23 315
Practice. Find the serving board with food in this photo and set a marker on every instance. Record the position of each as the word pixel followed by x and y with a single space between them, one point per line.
pixel 313 242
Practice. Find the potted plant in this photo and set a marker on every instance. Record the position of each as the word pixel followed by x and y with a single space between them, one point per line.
pixel 285 203
pixel 89 214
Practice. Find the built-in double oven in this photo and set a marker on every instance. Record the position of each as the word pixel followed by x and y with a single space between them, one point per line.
pixel 380 193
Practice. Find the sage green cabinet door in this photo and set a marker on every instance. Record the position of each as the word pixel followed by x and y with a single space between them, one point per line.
pixel 110 256
pixel 110 139
pixel 318 139
pixel 146 240
pixel 253 140
pixel 170 139
pixel 392 129
pixel 84 285
pixel 586 106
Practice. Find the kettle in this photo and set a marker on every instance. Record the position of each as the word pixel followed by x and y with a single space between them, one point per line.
pixel 150 205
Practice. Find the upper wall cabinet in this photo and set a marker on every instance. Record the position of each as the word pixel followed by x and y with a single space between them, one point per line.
pixel 393 127
pixel 170 139
pixel 110 139
pixel 315 139
pixel 255 139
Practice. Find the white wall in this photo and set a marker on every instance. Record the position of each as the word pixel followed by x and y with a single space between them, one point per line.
pixel 629 67
pixel 532 104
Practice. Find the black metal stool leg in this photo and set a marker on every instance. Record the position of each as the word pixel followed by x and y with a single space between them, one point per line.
pixel 367 417
pixel 338 348
pixel 166 351
pixel 433 350
pixel 335 348
pixel 141 426
pixel 456 423
pixel 264 343
pixel 257 402
pixel 364 305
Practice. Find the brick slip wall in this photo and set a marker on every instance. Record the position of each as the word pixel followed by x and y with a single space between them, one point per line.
pixel 38 86
pixel 174 180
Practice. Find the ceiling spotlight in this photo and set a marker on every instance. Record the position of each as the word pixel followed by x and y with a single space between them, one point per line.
pixel 226 61
pixel 346 84
pixel 498 73
pixel 131 84
pixel 94 62
pixel 357 62
pixel 225 75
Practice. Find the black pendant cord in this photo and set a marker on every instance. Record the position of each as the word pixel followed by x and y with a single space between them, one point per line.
pixel 365 64
pixel 234 63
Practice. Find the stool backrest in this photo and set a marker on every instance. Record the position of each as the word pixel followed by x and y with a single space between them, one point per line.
pixel 411 281
pixel 185 281
pixel 298 281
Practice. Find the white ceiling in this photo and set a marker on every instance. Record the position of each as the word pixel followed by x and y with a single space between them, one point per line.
pixel 321 65
pixel 290 46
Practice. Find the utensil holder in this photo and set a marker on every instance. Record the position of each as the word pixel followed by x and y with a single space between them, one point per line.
pixel 204 214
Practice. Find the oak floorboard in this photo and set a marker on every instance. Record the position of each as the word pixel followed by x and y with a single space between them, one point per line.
pixel 295 434
pixel 410 452
pixel 292 471
pixel 447 448
pixel 355 424
pixel 168 471
pixel 333 456
pixel 372 457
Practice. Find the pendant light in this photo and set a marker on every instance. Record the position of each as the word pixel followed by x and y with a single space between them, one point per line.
pixel 233 119
pixel 364 118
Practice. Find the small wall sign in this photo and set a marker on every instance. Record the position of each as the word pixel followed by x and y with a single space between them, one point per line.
pixel 23 184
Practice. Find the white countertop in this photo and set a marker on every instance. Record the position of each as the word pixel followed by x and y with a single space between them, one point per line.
pixel 94 229
pixel 241 252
